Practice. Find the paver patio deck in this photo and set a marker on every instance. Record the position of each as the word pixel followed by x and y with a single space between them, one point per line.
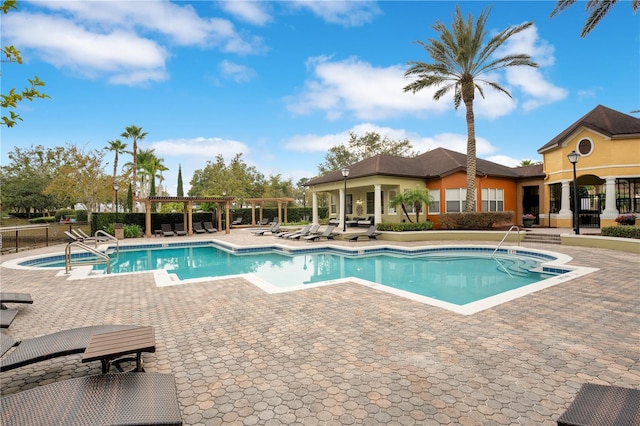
pixel 349 354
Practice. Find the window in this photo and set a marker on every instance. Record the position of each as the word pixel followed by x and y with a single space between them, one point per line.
pixel 492 200
pixel 392 193
pixel 349 207
pixel 455 199
pixel 334 208
pixel 434 195
pixel 585 146
pixel 555 202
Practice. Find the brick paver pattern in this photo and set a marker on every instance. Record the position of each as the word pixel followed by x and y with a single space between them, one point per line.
pixel 347 354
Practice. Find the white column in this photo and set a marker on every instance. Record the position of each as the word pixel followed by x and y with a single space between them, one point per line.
pixel 610 211
pixel 342 208
pixel 314 207
pixel 565 203
pixel 377 204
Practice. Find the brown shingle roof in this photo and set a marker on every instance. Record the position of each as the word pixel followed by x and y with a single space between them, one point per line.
pixel 603 120
pixel 436 163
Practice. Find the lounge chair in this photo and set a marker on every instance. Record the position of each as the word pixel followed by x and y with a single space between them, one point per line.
pixel 61 343
pixel 180 230
pixel 197 228
pixel 371 234
pixel 166 230
pixel 6 317
pixel 287 234
pixel 6 297
pixel 328 234
pixel 264 221
pixel 105 399
pixel 275 227
pixel 238 221
pixel 311 231
pixel 208 226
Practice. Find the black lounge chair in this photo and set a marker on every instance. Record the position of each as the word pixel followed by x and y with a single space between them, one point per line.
pixel 166 230
pixel 61 343
pixel 237 221
pixel 105 399
pixel 7 297
pixel 287 234
pixel 371 234
pixel 311 231
pixel 197 228
pixel 264 221
pixel 6 317
pixel 274 228
pixel 180 230
pixel 328 234
pixel 208 226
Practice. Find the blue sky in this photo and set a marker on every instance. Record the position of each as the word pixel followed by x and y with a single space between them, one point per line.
pixel 281 82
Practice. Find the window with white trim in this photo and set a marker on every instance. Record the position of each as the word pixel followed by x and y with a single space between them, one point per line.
pixel 492 200
pixel 334 200
pixel 434 196
pixel 392 193
pixel 455 199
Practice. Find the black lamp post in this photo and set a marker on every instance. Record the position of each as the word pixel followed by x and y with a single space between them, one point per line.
pixel 115 188
pixel 345 174
pixel 573 159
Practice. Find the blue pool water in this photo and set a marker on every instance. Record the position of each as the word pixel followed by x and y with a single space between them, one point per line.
pixel 454 276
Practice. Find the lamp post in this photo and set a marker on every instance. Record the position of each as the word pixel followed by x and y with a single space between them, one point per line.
pixel 115 188
pixel 345 174
pixel 573 159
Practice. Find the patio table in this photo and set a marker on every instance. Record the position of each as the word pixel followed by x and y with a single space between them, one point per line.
pixel 110 348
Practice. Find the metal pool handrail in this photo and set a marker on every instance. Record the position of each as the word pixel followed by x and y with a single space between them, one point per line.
pixel 505 237
pixel 67 256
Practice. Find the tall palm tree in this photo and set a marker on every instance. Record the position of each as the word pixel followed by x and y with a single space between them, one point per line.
pixel 597 9
pixel 117 147
pixel 135 134
pixel 459 61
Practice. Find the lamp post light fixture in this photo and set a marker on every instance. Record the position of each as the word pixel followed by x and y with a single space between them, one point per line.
pixel 115 188
pixel 345 174
pixel 573 159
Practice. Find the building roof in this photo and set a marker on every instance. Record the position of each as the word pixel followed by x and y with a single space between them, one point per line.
pixel 601 119
pixel 437 163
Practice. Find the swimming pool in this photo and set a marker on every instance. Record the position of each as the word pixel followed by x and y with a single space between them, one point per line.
pixel 459 278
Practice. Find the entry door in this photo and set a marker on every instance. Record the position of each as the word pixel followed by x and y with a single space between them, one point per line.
pixel 531 202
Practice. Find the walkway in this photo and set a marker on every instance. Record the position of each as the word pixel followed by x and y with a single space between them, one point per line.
pixel 347 354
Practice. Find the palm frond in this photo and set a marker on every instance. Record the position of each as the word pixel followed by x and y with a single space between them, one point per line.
pixel 561 6
pixel 598 9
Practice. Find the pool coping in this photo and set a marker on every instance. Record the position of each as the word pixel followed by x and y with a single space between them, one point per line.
pixel 555 263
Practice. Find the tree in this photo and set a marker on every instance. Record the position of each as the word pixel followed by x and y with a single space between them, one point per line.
pixel 129 198
pixel 29 93
pixel 135 134
pixel 180 190
pixel 528 162
pixel 118 148
pixel 361 147
pixel 459 62
pixel 413 197
pixel 597 10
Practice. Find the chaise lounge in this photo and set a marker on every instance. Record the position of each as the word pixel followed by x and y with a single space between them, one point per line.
pixel 197 228
pixel 166 230
pixel 180 231
pixel 371 234
pixel 105 399
pixel 7 297
pixel 208 226
pixel 328 234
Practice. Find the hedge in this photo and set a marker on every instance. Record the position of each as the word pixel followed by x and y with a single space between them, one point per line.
pixel 406 226
pixel 621 231
pixel 474 220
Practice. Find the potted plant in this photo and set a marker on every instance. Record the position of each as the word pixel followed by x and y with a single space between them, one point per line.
pixel 626 219
pixel 527 220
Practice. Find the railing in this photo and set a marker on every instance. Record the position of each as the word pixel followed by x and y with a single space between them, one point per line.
pixel 101 257
pixel 25 237
pixel 102 236
pixel 505 237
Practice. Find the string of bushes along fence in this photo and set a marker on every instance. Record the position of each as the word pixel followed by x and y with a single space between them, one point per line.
pixel 626 231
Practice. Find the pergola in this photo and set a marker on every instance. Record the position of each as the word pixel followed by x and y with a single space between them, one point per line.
pixel 222 201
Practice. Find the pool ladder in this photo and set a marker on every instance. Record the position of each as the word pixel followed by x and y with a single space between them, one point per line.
pixel 100 257
pixel 505 237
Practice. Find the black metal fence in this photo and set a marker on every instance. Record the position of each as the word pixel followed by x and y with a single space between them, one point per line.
pixel 26 237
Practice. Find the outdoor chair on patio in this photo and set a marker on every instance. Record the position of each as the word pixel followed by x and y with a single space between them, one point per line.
pixel 166 230
pixel 6 317
pixel 197 228
pixel 275 227
pixel 237 221
pixel 61 343
pixel 287 234
pixel 311 231
pixel 371 234
pixel 180 230
pixel 328 234
pixel 7 297
pixel 105 399
pixel 208 226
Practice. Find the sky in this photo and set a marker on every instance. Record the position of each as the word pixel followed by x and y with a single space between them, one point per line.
pixel 282 82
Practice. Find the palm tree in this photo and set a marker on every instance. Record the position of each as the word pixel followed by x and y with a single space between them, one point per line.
pixel 118 148
pixel 135 134
pixel 597 9
pixel 415 197
pixel 459 61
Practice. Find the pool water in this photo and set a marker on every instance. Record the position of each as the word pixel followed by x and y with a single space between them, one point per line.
pixel 454 277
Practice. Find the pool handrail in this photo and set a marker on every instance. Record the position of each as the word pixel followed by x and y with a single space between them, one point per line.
pixel 505 237
pixel 67 256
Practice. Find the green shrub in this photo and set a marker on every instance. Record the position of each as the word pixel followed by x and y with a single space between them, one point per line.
pixel 44 219
pixel 621 231
pixel 405 226
pixel 129 230
pixel 65 213
pixel 474 220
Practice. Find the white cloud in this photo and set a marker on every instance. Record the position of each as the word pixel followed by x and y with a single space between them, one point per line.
pixel 248 11
pixel 345 13
pixel 236 72
pixel 200 148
